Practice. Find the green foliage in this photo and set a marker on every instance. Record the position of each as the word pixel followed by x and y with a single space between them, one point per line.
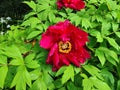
pixel 3 70
pixel 23 62
pixel 93 83
pixel 68 74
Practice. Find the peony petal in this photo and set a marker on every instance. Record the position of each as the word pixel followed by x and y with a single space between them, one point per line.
pixel 60 28
pixel 51 53
pixel 82 54
pixel 46 41
pixel 73 59
pixel 59 4
pixel 73 4
pixel 54 68
pixel 64 60
pixel 53 49
pixel 85 53
pixel 49 60
pixel 56 59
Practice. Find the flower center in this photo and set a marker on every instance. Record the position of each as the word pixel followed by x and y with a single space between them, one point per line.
pixel 65 47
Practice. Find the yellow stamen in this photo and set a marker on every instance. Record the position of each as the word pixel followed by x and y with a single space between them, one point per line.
pixel 65 47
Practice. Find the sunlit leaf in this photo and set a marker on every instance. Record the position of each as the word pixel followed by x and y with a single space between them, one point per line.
pixel 118 85
pixel 113 43
pixel 101 56
pixel 60 71
pixel 39 84
pixel 108 76
pixel 33 34
pixel 3 59
pixel 68 74
pixel 21 78
pixel 31 4
pixel 99 84
pixel 3 74
pixel 94 71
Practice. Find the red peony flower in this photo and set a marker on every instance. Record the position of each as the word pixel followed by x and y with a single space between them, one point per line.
pixel 73 4
pixel 66 44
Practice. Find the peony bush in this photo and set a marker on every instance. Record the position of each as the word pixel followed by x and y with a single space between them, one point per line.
pixel 63 45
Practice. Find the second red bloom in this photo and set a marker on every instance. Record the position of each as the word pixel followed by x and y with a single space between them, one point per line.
pixel 73 4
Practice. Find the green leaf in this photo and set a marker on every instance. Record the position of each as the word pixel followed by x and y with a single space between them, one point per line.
pixel 118 34
pixel 44 15
pixel 86 23
pixel 115 26
pixel 78 80
pixel 29 15
pixel 110 55
pixel 75 19
pixel 3 59
pixel 27 78
pixel 110 59
pixel 113 43
pixel 35 74
pixel 33 21
pixel 91 69
pixel 71 86
pixel 99 37
pixel 118 15
pixel 15 62
pixel 87 84
pixel 51 16
pixel 33 34
pixel 97 34
pixel 16 79
pixel 101 56
pixel 94 83
pixel 29 58
pixel 112 5
pixel 47 78
pixel 105 28
pixel 51 87
pixel 114 14
pixel 94 71
pixel 118 85
pixel 21 78
pixel 77 70
pixel 62 88
pixel 41 8
pixel 113 55
pixel 31 4
pixel 68 74
pixel 99 18
pixel 108 77
pixel 30 63
pixel 58 83
pixel 100 85
pixel 60 71
pixel 33 64
pixel 84 75
pixel 39 84
pixel 3 74
pixel 62 14
pixel 14 52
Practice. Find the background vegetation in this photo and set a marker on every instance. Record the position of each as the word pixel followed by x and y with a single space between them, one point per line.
pixel 22 61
